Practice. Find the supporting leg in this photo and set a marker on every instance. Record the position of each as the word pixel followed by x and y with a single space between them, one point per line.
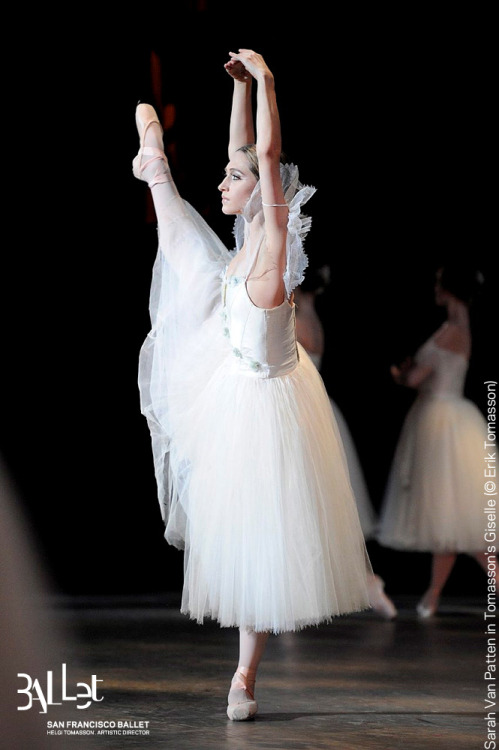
pixel 241 700
pixel 442 564
pixel 378 599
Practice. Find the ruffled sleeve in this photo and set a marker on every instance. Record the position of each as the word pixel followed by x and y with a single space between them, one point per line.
pixel 296 196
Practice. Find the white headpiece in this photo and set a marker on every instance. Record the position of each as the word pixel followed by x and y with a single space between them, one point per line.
pixel 295 195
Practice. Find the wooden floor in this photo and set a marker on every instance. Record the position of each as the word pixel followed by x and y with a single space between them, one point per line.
pixel 357 683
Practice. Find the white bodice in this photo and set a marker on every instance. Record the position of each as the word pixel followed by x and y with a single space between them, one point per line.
pixel 263 340
pixel 449 370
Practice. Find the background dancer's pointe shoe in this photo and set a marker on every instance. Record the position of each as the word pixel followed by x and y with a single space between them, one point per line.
pixel 379 601
pixel 428 605
pixel 241 701
pixel 150 164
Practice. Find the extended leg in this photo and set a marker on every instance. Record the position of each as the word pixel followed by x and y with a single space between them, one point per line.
pixel 151 166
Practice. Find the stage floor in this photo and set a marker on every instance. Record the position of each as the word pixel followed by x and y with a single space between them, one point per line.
pixel 357 683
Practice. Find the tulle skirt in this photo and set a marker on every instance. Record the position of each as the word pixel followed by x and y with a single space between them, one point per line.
pixel 252 476
pixel 367 514
pixel 434 499
pixel 273 540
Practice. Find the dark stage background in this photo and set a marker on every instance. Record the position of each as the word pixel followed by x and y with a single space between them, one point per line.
pixel 387 115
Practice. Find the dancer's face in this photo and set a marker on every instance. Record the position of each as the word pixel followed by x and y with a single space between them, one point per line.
pixel 237 185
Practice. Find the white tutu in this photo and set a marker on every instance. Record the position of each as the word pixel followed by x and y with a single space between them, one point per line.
pixel 434 496
pixel 252 477
pixel 367 514
pixel 274 540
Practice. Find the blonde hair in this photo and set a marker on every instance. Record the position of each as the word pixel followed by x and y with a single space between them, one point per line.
pixel 250 152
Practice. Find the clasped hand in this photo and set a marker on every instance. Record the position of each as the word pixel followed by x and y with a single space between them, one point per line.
pixel 246 61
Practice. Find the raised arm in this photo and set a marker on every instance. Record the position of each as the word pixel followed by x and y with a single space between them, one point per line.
pixel 241 130
pixel 268 148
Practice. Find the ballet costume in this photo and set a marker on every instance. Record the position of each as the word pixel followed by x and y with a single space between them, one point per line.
pixel 434 495
pixel 252 480
pixel 378 599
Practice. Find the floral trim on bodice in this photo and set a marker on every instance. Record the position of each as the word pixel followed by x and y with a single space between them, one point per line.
pixel 252 364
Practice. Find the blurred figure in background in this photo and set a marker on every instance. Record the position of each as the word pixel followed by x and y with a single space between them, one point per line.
pixel 434 495
pixel 32 639
pixel 310 334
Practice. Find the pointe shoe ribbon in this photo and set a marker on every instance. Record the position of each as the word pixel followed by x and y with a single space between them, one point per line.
pixel 145 116
pixel 241 701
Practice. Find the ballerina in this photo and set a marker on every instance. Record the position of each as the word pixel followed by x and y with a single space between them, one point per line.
pixel 310 333
pixel 251 476
pixel 434 494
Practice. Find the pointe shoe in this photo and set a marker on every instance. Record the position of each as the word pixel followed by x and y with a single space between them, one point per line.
pixel 428 605
pixel 241 701
pixel 379 600
pixel 145 116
